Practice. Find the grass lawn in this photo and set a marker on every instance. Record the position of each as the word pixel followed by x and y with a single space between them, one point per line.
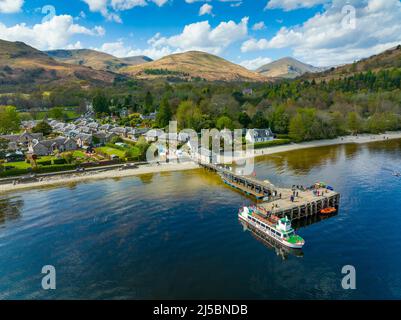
pixel 135 151
pixel 79 154
pixel 18 165
pixel 110 151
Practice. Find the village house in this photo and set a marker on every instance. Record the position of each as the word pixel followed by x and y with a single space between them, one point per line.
pixel 106 127
pixel 93 126
pixel 259 135
pixel 153 135
pixel 151 116
pixel 83 140
pixel 21 140
pixel 48 147
pixel 121 131
pixel 102 138
pixel 247 92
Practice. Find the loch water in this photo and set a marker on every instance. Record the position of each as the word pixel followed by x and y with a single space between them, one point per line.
pixel 176 235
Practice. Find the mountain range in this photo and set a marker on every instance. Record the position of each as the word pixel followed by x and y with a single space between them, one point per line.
pixel 95 59
pixel 23 65
pixel 287 68
pixel 193 65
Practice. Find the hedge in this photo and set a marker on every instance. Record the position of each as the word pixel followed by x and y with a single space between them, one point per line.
pixel 47 169
pixel 59 161
pixel 272 143
pixel 55 168
pixel 13 172
pixel 45 163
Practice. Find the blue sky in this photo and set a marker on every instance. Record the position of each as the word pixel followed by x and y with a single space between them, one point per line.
pixel 250 32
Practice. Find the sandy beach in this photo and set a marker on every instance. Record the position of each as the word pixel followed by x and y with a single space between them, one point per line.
pixel 146 169
pixel 78 177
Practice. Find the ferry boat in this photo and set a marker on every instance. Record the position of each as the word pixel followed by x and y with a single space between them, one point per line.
pixel 273 227
pixel 270 243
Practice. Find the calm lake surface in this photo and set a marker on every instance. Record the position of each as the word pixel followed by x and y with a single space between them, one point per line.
pixel 177 236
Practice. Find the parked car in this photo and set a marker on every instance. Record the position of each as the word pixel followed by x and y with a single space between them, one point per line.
pixel 15 157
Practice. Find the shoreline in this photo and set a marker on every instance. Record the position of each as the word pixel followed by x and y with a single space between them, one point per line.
pixel 360 139
pixel 147 169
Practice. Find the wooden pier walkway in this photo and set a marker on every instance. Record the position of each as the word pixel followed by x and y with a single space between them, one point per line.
pixel 277 201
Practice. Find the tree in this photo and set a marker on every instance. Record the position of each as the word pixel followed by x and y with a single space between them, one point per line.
pixel 100 103
pixel 3 148
pixel 42 127
pixel 303 126
pixel 9 119
pixel 68 157
pixel 354 122
pixel 143 146
pixel 57 113
pixel 259 121
pixel 164 115
pixel 148 103
pixel 279 120
pixel 224 122
pixel 244 119
pixel 189 116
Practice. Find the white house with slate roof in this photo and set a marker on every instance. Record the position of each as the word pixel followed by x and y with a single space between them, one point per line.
pixel 259 135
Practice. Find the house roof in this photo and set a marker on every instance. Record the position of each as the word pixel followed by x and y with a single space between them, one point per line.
pixel 262 133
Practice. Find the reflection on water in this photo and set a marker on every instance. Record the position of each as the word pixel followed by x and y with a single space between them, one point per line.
pixel 276 246
pixel 271 243
pixel 176 235
pixel 10 209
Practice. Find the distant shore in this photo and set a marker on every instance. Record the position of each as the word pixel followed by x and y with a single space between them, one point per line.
pixel 147 169
pixel 360 139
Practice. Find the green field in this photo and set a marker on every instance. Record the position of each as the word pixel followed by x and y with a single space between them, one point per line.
pixel 111 151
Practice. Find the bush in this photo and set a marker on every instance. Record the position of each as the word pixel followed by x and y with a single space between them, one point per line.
pixel 116 139
pixel 132 159
pixel 59 161
pixel 283 136
pixel 55 168
pixel 278 142
pixel 114 146
pixel 13 172
pixel 45 163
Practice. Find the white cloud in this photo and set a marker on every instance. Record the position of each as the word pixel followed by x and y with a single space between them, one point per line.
pixel 96 5
pixel 119 49
pixel 121 5
pixel 325 40
pixel 205 9
pixel 11 6
pixel 236 4
pixel 193 1
pixel 74 46
pixel 52 34
pixel 254 64
pixel 109 8
pixel 259 26
pixel 288 5
pixel 201 36
pixel 160 3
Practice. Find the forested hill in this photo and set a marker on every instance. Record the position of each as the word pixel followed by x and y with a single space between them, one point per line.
pixel 387 60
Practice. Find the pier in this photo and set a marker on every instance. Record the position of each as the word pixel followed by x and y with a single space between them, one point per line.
pixel 275 200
